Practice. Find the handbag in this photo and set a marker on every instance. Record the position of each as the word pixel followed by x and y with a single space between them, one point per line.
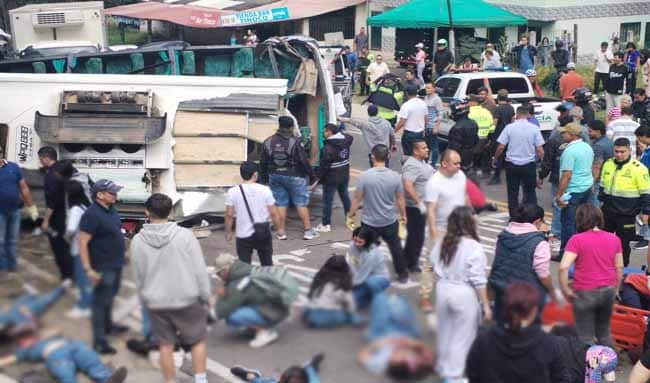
pixel 262 230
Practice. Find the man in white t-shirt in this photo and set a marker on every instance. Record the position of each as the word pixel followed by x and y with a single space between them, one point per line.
pixel 602 59
pixel 413 117
pixel 444 191
pixel 261 206
pixel 377 69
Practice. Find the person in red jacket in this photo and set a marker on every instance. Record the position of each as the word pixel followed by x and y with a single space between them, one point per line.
pixel 477 198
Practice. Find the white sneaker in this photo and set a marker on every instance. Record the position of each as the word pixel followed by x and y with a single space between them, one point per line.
pixel 263 338
pixel 310 234
pixel 323 228
pixel 281 237
pixel 77 313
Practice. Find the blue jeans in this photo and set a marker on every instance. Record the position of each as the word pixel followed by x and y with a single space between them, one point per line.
pixel 102 304
pixel 407 141
pixel 35 304
pixel 245 317
pixel 312 377
pixel 391 315
pixel 594 196
pixel 83 284
pixel 432 143
pixel 289 189
pixel 326 318
pixel 556 222
pixel 9 231
pixel 145 331
pixel 328 198
pixel 366 291
pixel 569 215
pixel 64 362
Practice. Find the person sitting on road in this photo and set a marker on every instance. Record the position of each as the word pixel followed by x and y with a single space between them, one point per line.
pixel 251 301
pixel 395 349
pixel 62 356
pixel 308 373
pixel 369 271
pixel 30 306
pixel 331 303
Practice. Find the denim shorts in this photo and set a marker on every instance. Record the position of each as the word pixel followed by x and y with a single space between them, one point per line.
pixel 289 189
pixel 643 231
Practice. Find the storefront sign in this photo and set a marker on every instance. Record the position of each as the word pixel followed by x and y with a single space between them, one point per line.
pixel 255 17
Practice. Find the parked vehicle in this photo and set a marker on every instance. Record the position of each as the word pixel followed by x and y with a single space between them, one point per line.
pixel 461 85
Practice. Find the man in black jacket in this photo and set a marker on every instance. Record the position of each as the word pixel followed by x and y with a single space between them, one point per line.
pixel 334 172
pixel 284 165
pixel 463 136
pixel 641 107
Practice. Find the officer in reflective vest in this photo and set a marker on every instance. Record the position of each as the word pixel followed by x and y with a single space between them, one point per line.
pixel 625 193
pixel 485 121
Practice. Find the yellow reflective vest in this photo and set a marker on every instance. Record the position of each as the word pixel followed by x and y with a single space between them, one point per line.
pixel 484 119
pixel 625 188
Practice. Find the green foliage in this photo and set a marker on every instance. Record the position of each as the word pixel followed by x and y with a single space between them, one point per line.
pixel 131 36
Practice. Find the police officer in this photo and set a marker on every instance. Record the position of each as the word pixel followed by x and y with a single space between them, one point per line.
pixel 485 121
pixel 284 165
pixel 581 96
pixel 463 136
pixel 625 193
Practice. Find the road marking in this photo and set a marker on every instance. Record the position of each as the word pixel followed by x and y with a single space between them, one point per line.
pixel 300 252
pixel 282 257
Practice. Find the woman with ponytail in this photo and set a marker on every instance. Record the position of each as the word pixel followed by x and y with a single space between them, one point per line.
pixel 459 266
pixel 519 351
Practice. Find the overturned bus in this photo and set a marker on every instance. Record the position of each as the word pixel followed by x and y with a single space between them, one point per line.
pixel 184 134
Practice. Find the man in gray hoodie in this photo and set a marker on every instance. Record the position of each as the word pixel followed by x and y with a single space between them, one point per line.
pixel 174 286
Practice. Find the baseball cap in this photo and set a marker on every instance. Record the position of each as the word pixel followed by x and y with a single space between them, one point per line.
pixel 571 128
pixel 571 66
pixel 502 94
pixel 419 45
pixel 223 261
pixel 531 73
pixel 563 107
pixel 105 185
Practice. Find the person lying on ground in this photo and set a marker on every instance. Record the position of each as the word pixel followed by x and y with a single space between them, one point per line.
pixel 395 349
pixel 308 373
pixel 331 303
pixel 256 298
pixel 369 271
pixel 62 356
pixel 34 305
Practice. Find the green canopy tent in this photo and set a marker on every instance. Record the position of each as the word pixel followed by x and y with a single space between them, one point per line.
pixel 446 13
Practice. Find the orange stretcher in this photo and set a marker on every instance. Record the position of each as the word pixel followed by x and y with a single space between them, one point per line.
pixel 628 325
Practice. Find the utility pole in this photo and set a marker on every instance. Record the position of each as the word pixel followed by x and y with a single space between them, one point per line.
pixel 452 40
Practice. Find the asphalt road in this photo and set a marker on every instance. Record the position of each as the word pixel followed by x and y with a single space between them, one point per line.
pixel 227 348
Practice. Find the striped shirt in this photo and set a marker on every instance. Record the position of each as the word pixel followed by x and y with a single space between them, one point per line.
pixel 624 127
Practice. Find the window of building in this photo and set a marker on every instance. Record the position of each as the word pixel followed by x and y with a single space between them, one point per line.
pixel 375 34
pixel 4 131
pixel 630 32
pixel 494 34
pixel 337 21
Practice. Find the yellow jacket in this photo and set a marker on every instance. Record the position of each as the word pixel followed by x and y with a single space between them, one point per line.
pixel 484 119
pixel 625 188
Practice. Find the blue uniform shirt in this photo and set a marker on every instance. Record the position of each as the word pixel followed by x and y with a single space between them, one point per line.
pixel 10 176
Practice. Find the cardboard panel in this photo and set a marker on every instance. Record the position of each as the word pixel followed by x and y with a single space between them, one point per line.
pixel 222 175
pixel 210 149
pixel 262 127
pixel 207 123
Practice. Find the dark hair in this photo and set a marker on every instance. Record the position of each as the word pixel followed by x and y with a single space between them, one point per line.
pixel 410 71
pixel 622 141
pixel 642 131
pixel 372 110
pixel 159 205
pixel 76 194
pixel 367 234
pixel 523 110
pixel 49 152
pixel 333 128
pixel 399 371
pixel 411 90
pixel 619 54
pixel 460 224
pixel 380 152
pixel 627 110
pixel 336 271
pixel 519 301
pixel 639 91
pixel 502 95
pixel 61 167
pixel 630 45
pixel 66 169
pixel 417 141
pixel 528 213
pixel 481 89
pixel 285 122
pixel 604 44
pixel 598 125
pixel 247 169
pixel 294 372
pixel 587 217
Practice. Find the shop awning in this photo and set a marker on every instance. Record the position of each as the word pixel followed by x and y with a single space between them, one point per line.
pixel 187 15
pixel 297 9
pixel 435 13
